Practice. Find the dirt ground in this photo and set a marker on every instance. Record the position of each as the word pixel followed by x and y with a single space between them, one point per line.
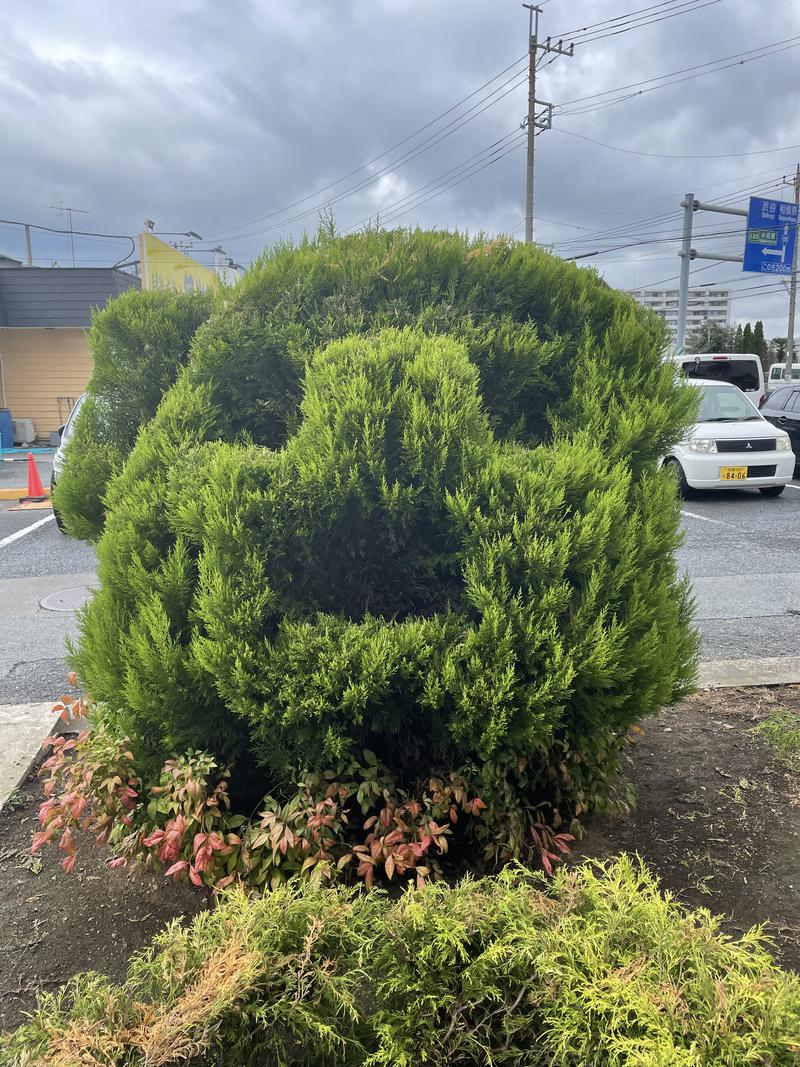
pixel 718 819
pixel 718 813
pixel 53 924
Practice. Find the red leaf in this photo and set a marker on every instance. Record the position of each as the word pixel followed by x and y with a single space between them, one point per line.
pixel 194 877
pixel 39 839
pixel 69 863
pixel 120 861
pixel 72 678
pixel 389 866
pixel 176 868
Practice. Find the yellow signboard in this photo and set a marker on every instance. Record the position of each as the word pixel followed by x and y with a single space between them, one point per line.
pixel 164 267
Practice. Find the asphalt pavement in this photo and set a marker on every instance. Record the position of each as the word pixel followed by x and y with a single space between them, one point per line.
pixel 741 550
pixel 34 566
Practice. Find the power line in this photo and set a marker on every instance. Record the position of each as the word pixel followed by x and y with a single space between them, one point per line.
pixel 470 161
pixel 668 155
pixel 617 18
pixel 690 9
pixel 721 64
pixel 389 168
pixel 386 152
pixel 488 163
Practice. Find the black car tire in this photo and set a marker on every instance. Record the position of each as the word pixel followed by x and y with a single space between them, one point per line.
pixel 772 490
pixel 56 514
pixel 676 470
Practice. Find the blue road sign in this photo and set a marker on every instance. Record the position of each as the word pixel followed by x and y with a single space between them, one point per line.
pixel 771 233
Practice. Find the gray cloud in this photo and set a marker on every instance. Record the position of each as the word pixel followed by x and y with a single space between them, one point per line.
pixel 206 116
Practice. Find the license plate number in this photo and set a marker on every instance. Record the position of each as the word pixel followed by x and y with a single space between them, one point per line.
pixel 733 474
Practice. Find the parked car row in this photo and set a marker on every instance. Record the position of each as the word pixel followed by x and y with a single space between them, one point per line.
pixel 733 444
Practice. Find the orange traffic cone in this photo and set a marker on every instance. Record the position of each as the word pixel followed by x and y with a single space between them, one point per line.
pixel 36 491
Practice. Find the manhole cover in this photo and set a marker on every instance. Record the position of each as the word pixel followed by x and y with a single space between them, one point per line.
pixel 67 599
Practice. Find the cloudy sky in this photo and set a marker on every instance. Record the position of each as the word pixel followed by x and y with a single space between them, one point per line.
pixel 242 120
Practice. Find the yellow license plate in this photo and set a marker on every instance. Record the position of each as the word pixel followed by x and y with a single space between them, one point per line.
pixel 733 474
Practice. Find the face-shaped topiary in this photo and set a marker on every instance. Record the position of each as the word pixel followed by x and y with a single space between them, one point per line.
pixel 397 578
pixel 457 545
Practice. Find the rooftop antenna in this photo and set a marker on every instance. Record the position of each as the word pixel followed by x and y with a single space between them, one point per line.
pixel 63 209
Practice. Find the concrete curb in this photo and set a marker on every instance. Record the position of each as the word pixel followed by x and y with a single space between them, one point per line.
pixel 733 673
pixel 23 729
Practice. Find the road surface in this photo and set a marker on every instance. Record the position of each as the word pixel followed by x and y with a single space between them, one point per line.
pixel 741 550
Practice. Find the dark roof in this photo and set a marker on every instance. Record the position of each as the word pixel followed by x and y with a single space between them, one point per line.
pixel 58 296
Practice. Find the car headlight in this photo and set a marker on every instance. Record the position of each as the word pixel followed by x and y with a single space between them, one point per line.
pixel 702 444
pixel 783 444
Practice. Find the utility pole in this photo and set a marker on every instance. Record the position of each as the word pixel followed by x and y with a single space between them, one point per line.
pixel 690 204
pixel 63 210
pixel 534 122
pixel 685 253
pixel 28 249
pixel 787 370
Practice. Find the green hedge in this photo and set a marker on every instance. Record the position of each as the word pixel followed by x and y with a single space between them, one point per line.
pixel 440 542
pixel 598 968
pixel 138 343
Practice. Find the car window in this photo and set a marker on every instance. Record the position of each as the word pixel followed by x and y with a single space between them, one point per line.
pixel 777 401
pixel 793 402
pixel 70 423
pixel 721 403
pixel 776 373
pixel 740 372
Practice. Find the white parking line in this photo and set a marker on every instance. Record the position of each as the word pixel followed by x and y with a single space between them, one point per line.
pixel 791 485
pixel 25 530
pixel 694 515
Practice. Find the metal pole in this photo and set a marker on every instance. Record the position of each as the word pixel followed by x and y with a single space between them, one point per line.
pixel 28 250
pixel 787 370
pixel 533 32
pixel 685 253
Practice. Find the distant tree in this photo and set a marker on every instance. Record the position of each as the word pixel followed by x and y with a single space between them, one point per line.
pixel 778 345
pixel 758 338
pixel 711 337
pixel 738 340
pixel 747 338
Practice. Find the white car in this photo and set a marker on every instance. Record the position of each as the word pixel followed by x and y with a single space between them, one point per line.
pixel 731 446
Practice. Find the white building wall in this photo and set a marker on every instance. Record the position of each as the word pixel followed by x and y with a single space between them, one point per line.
pixel 704 306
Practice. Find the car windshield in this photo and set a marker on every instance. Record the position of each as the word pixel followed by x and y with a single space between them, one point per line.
pixel 70 426
pixel 723 404
pixel 740 372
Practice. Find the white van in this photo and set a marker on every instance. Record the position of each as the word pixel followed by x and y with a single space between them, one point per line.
pixel 775 375
pixel 742 369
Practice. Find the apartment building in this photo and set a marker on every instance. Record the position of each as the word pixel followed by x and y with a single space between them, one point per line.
pixel 705 306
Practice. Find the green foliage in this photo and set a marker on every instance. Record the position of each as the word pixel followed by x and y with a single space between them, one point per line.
pixel 758 338
pixel 147 563
pixel 139 342
pixel 747 338
pixel 600 968
pixel 782 729
pixel 712 337
pixel 92 459
pixel 355 811
pixel 455 547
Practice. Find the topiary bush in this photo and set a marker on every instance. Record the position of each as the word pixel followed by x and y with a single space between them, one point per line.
pixel 138 343
pixel 597 968
pixel 448 543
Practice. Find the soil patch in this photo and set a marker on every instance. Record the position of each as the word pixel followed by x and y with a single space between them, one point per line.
pixel 718 812
pixel 56 924
pixel 718 819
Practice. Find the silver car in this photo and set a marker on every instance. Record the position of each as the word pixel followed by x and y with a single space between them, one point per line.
pixel 58 459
